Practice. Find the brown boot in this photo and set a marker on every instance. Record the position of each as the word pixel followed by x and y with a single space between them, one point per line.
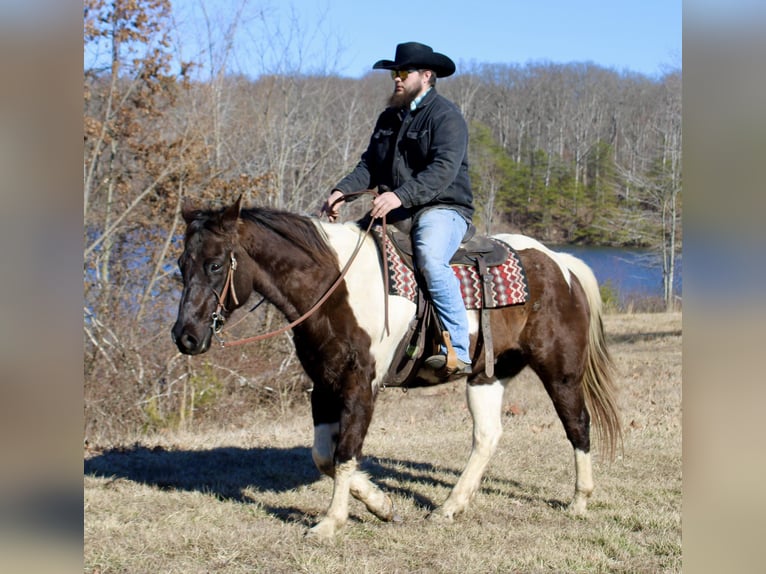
pixel 438 364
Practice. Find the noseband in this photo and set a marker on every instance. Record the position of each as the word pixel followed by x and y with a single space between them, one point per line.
pixel 218 318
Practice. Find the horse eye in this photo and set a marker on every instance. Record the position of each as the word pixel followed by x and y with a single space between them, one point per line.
pixel 215 267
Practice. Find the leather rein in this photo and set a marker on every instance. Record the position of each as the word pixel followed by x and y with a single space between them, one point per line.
pixel 218 319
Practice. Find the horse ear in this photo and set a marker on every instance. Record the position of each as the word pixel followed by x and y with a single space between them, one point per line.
pixel 231 215
pixel 188 212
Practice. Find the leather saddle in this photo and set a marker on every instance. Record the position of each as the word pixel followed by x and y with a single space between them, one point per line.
pixel 472 249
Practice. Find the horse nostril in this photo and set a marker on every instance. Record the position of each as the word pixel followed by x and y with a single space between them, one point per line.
pixel 189 341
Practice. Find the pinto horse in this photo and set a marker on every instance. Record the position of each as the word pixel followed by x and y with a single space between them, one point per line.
pixel 346 350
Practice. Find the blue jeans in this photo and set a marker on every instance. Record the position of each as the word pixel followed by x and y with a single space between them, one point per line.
pixel 436 235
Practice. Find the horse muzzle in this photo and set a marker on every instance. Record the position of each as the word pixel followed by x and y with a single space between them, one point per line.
pixel 190 343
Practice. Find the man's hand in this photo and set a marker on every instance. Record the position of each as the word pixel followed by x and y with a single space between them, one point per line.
pixel 331 208
pixel 384 203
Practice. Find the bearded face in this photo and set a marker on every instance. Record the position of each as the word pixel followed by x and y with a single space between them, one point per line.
pixel 403 95
pixel 405 91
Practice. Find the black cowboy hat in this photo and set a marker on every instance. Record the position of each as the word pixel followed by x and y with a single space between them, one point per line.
pixel 416 56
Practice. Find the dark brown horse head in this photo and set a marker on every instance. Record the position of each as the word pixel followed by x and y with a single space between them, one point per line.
pixel 206 265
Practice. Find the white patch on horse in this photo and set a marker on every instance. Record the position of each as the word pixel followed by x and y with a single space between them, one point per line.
pixel 583 482
pixel 365 285
pixel 337 513
pixel 473 322
pixel 484 403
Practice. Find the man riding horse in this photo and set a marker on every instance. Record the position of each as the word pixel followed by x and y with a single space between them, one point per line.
pixel 418 152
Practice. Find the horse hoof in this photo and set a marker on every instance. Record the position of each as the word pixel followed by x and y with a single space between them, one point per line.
pixel 441 517
pixel 387 514
pixel 578 507
pixel 322 532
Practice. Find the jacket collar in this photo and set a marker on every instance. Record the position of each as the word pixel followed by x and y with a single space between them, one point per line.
pixel 414 103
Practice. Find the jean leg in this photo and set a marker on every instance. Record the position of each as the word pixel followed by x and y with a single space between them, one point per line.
pixel 435 238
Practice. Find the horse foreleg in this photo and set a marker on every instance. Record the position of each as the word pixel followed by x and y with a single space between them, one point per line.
pixel 484 403
pixel 323 451
pixel 337 447
pixel 376 501
pixel 361 487
pixel 337 514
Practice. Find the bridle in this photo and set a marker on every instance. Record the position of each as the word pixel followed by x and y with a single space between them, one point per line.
pixel 218 319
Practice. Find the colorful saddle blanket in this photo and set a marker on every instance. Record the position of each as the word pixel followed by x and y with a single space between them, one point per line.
pixel 508 280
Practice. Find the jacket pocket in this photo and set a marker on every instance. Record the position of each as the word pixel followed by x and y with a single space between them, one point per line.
pixel 382 142
pixel 416 144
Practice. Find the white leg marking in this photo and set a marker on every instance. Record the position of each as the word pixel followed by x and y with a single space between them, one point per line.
pixel 583 482
pixel 376 501
pixel 485 403
pixel 361 487
pixel 337 513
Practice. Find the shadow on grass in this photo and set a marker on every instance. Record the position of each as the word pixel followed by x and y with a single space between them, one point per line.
pixel 392 473
pixel 229 472
pixel 223 472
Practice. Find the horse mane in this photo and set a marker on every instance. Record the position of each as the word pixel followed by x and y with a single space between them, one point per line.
pixel 298 230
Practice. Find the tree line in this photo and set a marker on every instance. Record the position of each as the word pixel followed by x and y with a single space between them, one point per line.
pixel 566 153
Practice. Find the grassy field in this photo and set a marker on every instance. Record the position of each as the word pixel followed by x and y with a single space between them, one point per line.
pixel 240 499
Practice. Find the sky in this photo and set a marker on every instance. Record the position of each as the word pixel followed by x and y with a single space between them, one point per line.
pixel 347 37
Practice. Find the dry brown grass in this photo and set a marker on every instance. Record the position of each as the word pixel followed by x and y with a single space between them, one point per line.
pixel 233 500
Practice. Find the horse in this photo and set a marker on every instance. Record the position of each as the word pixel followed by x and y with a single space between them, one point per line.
pixel 348 343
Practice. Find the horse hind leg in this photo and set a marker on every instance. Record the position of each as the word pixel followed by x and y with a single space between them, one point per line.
pixel 569 402
pixel 485 405
pixel 583 483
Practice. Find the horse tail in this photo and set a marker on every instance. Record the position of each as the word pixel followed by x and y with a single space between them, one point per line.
pixel 598 378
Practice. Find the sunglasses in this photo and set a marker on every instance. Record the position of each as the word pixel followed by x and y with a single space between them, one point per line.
pixel 401 74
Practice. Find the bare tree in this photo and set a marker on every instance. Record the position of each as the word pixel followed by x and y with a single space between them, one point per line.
pixel 658 187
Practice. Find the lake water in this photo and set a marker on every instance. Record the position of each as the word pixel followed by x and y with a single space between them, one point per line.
pixel 634 273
